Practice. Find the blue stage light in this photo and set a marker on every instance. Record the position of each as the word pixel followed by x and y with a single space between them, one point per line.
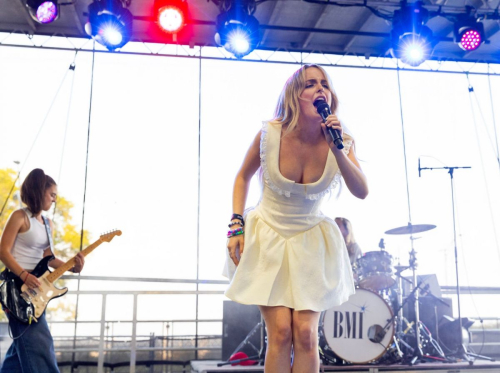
pixel 237 31
pixel 412 41
pixel 110 23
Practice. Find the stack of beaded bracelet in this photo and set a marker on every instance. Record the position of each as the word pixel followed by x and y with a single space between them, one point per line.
pixel 235 232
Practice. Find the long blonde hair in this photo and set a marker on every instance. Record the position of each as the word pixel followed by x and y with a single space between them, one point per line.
pixel 349 237
pixel 287 110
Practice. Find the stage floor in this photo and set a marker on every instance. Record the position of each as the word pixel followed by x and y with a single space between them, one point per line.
pixel 477 367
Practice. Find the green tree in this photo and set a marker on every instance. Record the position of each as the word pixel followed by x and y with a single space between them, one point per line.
pixel 66 235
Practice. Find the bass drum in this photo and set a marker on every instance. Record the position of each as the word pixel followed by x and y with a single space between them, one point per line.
pixel 354 331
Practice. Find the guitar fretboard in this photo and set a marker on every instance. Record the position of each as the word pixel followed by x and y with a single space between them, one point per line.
pixel 58 272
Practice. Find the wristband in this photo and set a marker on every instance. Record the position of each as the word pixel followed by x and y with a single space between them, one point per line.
pixel 238 217
pixel 235 223
pixel 236 232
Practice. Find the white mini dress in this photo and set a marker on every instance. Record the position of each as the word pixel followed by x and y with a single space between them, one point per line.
pixel 294 256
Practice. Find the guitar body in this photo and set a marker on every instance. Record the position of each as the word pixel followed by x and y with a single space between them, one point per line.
pixel 24 302
pixel 27 304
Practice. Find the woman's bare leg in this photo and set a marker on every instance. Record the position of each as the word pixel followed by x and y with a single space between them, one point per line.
pixel 305 341
pixel 279 338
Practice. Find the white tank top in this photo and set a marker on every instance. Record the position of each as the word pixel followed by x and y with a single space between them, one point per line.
pixel 29 246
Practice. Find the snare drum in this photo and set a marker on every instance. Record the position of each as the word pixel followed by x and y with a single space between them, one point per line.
pixel 375 270
pixel 354 331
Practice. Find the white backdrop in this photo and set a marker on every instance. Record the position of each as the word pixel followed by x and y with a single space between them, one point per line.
pixel 145 144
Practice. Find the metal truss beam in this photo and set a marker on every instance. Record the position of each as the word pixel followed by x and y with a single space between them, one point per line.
pixel 277 55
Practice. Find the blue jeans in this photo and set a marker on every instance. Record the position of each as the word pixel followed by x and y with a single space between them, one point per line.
pixel 33 352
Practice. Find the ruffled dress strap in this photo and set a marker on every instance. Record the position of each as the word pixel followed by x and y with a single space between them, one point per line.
pixel 269 159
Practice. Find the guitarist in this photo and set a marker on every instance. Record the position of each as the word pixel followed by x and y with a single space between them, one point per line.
pixel 24 242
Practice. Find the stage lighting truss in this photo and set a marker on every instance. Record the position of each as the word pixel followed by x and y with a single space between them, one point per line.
pixel 468 32
pixel 43 11
pixel 110 23
pixel 171 15
pixel 412 41
pixel 237 28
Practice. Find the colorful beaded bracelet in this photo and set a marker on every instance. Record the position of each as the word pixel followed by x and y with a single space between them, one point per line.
pixel 235 232
pixel 235 223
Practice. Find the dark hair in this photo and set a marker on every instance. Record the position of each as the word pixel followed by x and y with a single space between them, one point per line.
pixel 33 189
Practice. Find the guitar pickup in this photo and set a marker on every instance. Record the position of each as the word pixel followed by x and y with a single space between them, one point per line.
pixel 26 297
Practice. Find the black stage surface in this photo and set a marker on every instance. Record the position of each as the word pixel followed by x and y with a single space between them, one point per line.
pixel 477 367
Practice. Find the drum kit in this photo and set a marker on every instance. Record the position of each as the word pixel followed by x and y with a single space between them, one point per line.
pixel 371 326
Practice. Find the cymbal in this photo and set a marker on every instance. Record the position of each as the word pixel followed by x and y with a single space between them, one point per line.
pixel 410 229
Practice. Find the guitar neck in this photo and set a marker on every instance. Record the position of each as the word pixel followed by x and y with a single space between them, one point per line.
pixel 58 272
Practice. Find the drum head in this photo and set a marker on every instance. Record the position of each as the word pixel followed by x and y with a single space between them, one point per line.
pixel 354 331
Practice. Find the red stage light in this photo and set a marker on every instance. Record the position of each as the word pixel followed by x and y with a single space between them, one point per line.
pixel 171 15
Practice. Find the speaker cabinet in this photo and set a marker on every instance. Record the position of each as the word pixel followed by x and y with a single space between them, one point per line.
pixel 238 320
pixel 431 311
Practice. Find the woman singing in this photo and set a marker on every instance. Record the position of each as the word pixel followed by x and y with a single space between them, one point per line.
pixel 285 255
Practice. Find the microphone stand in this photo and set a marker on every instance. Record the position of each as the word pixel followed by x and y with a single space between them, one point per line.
pixel 462 352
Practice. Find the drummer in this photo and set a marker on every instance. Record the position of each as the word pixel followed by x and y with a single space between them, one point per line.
pixel 353 248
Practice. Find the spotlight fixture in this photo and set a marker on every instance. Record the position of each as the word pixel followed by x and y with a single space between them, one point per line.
pixel 468 33
pixel 238 29
pixel 411 39
pixel 110 23
pixel 171 15
pixel 43 11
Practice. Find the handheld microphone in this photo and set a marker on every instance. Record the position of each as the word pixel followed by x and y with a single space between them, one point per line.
pixel 324 110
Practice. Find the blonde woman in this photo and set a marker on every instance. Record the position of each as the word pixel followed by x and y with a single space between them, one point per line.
pixel 284 255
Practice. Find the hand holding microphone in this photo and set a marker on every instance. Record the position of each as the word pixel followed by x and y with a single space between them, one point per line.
pixel 324 110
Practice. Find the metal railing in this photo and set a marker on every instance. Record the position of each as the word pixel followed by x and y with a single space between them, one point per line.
pixel 130 343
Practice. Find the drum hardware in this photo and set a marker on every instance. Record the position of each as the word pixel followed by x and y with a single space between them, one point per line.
pixel 411 229
pixel 430 346
pixel 260 354
pixel 376 333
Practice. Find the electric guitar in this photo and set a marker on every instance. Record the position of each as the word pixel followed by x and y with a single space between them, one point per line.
pixel 27 304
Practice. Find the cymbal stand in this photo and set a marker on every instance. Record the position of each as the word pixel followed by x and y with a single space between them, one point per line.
pixel 417 353
pixel 399 312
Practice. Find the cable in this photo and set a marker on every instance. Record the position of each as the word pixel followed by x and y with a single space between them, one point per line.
pixel 84 198
pixel 72 68
pixel 468 281
pixel 493 112
pixel 10 193
pixel 38 134
pixel 471 90
pixel 404 144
